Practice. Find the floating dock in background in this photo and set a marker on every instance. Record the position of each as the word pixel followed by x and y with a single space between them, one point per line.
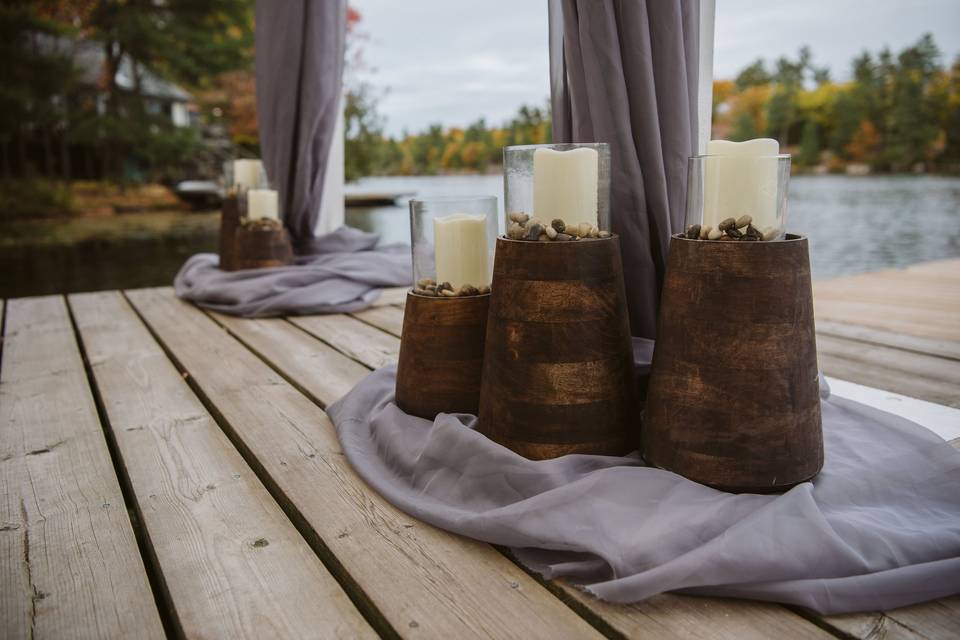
pixel 376 198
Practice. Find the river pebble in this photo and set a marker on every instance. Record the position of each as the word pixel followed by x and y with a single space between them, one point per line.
pixel 523 227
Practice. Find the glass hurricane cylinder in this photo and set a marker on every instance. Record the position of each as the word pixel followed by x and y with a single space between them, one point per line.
pixel 566 181
pixel 242 175
pixel 722 187
pixel 452 241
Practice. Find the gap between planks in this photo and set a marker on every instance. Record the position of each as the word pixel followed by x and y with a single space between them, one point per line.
pixel 344 335
pixel 232 563
pixel 70 559
pixel 286 350
pixel 425 581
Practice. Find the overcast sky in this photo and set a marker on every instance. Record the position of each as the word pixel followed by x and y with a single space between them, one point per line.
pixel 453 61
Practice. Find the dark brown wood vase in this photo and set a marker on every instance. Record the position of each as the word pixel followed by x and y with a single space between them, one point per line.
pixel 257 247
pixel 558 366
pixel 229 221
pixel 441 354
pixel 733 400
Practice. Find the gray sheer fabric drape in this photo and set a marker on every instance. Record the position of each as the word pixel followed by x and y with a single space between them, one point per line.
pixel 879 528
pixel 300 46
pixel 299 66
pixel 624 72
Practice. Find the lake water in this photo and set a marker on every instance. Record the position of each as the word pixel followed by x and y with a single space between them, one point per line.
pixel 855 224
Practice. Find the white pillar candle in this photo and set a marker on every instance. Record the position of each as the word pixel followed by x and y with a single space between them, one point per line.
pixel 262 203
pixel 247 173
pixel 740 178
pixel 565 185
pixel 460 250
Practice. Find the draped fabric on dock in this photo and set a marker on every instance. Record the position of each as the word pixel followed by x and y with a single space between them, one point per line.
pixel 299 69
pixel 877 529
pixel 625 72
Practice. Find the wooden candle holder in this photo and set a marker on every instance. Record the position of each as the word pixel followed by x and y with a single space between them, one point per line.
pixel 258 246
pixel 441 354
pixel 734 400
pixel 229 222
pixel 558 365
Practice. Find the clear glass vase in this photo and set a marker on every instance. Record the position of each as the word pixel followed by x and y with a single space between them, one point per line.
pixel 569 182
pixel 243 176
pixel 737 197
pixel 452 241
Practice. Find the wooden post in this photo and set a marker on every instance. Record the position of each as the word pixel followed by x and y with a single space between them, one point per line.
pixel 441 354
pixel 734 400
pixel 558 364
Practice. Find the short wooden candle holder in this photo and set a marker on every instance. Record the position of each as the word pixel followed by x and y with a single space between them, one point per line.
pixel 734 400
pixel 441 354
pixel 558 365
pixel 229 222
pixel 258 247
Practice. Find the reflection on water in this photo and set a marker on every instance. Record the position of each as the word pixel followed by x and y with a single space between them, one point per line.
pixel 855 224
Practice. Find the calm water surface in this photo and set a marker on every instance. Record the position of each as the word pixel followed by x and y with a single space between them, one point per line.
pixel 855 224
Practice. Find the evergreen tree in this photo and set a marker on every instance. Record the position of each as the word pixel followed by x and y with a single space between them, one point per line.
pixel 34 78
pixel 809 144
pixel 912 116
pixel 754 75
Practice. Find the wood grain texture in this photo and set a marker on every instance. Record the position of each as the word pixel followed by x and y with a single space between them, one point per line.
pixel 733 400
pixel 913 374
pixel 69 562
pixel 664 616
pixel 688 617
pixel 396 296
pixel 557 370
pixel 441 355
pixel 257 248
pixel 425 582
pixel 233 564
pixel 922 300
pixel 924 346
pixel 332 374
pixel 229 221
pixel 365 344
pixel 938 620
pixel 385 317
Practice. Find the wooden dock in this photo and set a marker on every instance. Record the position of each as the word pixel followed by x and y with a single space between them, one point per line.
pixel 897 330
pixel 171 472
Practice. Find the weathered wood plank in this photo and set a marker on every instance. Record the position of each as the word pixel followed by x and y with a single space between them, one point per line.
pixel 393 296
pixel 425 582
pixel 929 621
pixel 926 346
pixel 922 300
pixel 389 319
pixel 912 374
pixel 233 564
pixel 69 562
pixel 664 616
pixel 333 374
pixel 365 344
pixel 687 617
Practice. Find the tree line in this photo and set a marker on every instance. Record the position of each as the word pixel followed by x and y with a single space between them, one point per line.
pixel 79 98
pixel 897 112
pixel 87 87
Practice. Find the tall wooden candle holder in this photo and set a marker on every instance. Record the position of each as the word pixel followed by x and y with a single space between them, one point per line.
pixel 441 354
pixel 229 222
pixel 258 245
pixel 733 400
pixel 558 366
